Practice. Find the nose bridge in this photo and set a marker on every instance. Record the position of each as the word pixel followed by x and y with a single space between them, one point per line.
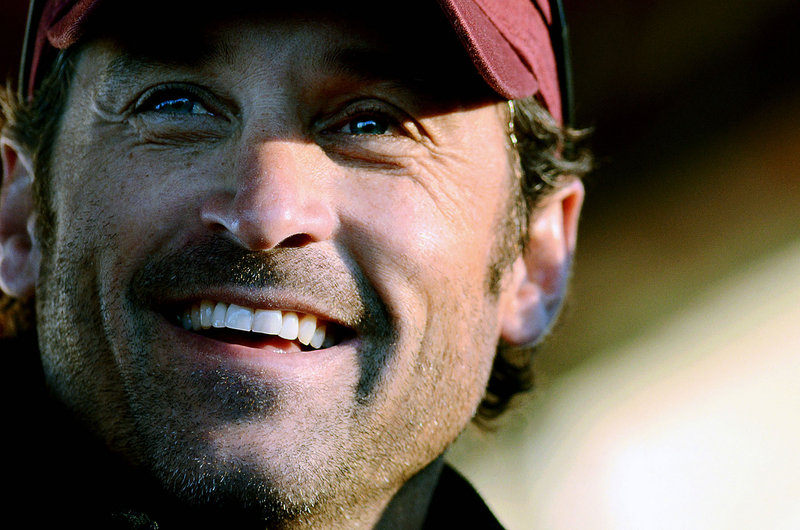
pixel 270 170
pixel 278 198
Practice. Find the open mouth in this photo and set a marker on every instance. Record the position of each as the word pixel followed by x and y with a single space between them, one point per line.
pixel 284 330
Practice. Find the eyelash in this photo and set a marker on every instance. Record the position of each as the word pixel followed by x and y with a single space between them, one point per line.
pixel 394 118
pixel 163 93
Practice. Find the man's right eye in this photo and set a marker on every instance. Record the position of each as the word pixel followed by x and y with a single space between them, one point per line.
pixel 181 113
pixel 181 105
pixel 173 102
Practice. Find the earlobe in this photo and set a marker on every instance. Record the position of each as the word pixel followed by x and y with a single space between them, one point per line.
pixel 537 283
pixel 19 251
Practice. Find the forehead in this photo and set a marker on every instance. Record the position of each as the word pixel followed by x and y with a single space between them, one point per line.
pixel 414 44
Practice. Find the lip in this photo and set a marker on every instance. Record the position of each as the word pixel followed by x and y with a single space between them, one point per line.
pixel 202 350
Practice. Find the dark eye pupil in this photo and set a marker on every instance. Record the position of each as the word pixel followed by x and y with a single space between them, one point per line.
pixel 368 126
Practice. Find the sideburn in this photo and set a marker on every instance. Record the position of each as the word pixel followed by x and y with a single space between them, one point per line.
pixel 512 226
pixel 36 124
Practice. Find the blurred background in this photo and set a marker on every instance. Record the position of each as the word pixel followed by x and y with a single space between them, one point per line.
pixel 669 392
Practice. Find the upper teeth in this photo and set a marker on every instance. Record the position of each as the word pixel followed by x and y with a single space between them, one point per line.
pixel 285 324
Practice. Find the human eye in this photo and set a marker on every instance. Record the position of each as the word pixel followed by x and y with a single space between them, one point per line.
pixel 181 113
pixel 366 124
pixel 368 131
pixel 368 119
pixel 180 105
pixel 174 101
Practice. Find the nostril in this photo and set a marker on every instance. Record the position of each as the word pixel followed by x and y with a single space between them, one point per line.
pixel 296 240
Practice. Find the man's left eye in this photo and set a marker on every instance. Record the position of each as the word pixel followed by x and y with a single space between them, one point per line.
pixel 367 125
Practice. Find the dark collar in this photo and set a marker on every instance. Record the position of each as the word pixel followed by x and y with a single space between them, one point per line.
pixel 456 504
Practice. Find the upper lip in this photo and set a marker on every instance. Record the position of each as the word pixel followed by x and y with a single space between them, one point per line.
pixel 266 299
pixel 304 280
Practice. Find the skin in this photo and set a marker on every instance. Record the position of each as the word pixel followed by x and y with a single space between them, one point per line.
pixel 241 171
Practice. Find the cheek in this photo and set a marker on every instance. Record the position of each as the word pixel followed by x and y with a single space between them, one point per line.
pixel 129 199
pixel 426 241
pixel 430 230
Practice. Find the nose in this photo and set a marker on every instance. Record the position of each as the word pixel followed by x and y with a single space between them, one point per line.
pixel 278 199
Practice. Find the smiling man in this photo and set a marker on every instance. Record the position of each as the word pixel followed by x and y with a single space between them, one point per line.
pixel 269 261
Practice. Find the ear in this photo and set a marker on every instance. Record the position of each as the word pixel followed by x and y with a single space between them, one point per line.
pixel 19 251
pixel 538 279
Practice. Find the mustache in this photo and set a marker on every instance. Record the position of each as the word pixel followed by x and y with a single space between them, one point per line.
pixel 323 275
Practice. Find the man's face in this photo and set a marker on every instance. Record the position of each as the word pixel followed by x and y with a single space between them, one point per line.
pixel 309 165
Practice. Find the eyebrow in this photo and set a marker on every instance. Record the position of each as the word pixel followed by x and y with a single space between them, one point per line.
pixel 138 59
pixel 418 79
pixel 122 71
pixel 125 67
pixel 365 64
pixel 371 65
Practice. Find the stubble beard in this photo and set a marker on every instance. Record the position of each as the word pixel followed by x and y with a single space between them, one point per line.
pixel 294 449
pixel 159 418
pixel 157 435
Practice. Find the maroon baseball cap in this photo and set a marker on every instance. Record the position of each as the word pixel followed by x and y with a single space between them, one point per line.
pixel 509 42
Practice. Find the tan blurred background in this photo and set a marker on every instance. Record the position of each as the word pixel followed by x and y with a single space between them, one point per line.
pixel 668 394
